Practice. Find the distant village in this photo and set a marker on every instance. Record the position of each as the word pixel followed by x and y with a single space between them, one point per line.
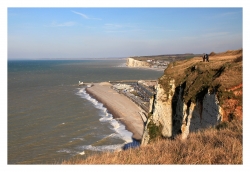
pixel 162 61
pixel 158 63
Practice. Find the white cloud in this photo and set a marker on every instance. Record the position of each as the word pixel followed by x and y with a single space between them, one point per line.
pixel 85 16
pixel 81 14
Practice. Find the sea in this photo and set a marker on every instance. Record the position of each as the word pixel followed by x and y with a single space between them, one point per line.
pixel 51 119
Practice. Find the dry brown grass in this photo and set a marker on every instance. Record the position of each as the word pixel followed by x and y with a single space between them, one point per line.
pixel 221 74
pixel 230 62
pixel 219 145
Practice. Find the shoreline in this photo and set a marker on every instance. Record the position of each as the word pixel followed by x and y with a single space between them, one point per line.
pixel 148 68
pixel 143 68
pixel 120 106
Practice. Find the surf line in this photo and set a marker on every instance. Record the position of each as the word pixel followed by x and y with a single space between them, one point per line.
pixel 117 126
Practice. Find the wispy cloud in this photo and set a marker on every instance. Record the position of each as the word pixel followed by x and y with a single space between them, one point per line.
pixel 85 16
pixel 81 14
pixel 65 24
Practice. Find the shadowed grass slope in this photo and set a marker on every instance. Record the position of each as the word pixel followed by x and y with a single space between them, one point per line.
pixel 218 145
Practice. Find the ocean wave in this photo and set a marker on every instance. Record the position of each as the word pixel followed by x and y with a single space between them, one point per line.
pixel 83 94
pixel 67 151
pixel 78 138
pixel 105 119
pixel 122 65
pixel 117 147
pixel 116 125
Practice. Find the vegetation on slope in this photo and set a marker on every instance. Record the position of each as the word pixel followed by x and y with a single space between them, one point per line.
pixel 218 145
pixel 221 75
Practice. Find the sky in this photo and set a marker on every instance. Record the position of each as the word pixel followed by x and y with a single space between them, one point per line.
pixel 103 32
pixel 50 29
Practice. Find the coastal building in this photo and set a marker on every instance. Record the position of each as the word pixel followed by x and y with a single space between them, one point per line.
pixel 139 92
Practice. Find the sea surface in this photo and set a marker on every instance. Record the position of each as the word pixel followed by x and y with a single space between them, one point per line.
pixel 51 118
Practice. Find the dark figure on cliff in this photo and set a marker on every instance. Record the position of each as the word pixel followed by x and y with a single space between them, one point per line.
pixel 207 58
pixel 204 57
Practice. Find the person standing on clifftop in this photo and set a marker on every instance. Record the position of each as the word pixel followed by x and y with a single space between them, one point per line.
pixel 207 58
pixel 204 57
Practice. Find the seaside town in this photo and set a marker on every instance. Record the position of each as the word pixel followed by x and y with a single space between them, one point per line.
pixel 160 64
pixel 139 92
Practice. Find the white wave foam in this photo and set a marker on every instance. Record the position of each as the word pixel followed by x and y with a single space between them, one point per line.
pixel 124 134
pixel 122 65
pixel 66 151
pixel 78 138
pixel 117 147
pixel 83 94
pixel 105 119
pixel 82 153
pixel 117 126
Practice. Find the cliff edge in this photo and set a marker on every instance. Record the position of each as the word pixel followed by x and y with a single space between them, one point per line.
pixel 131 62
pixel 194 95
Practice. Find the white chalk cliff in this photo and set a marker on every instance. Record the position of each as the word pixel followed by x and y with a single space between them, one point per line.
pixel 176 117
pixel 137 63
pixel 193 95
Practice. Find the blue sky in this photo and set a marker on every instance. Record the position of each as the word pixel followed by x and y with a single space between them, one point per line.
pixel 37 33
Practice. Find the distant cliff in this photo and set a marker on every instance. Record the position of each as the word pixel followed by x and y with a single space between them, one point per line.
pixel 137 63
pixel 194 95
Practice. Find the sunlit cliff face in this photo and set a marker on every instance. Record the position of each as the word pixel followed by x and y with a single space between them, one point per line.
pixel 194 95
pixel 136 63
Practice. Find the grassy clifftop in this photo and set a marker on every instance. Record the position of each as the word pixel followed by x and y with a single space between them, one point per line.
pixel 222 75
pixel 219 145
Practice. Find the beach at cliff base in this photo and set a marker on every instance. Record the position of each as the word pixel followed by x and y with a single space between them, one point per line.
pixel 120 106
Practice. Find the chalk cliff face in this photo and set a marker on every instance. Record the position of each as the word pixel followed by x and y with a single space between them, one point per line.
pixel 162 110
pixel 201 115
pixel 173 116
pixel 136 63
pixel 193 95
